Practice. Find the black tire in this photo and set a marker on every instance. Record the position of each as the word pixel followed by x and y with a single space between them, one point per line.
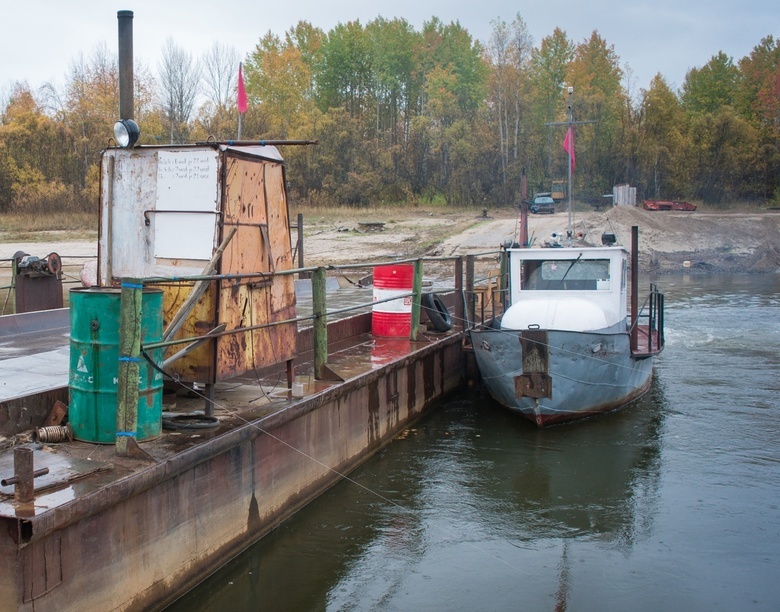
pixel 438 314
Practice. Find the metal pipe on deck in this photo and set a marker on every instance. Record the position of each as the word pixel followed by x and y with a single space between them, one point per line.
pixel 255 143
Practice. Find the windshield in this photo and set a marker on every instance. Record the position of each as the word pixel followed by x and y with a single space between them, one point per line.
pixel 566 274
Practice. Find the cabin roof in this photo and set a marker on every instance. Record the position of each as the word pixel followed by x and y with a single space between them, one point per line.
pixel 587 252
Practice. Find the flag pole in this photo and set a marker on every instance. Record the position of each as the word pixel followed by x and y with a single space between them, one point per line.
pixel 568 146
pixel 241 100
pixel 571 149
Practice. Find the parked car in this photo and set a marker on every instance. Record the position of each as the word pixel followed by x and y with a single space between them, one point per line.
pixel 543 203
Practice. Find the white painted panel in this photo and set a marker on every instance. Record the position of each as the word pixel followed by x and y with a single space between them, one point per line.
pixel 186 181
pixel 184 236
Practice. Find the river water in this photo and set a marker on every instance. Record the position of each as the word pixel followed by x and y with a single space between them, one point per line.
pixel 672 503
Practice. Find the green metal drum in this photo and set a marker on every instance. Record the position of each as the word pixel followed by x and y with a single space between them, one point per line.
pixel 94 364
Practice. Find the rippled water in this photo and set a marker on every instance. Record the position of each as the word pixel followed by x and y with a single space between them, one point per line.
pixel 672 503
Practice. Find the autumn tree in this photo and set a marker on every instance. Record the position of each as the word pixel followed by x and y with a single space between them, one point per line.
pixel 548 73
pixel 662 149
pixel 34 166
pixel 758 101
pixel 179 76
pixel 596 76
pixel 509 52
pixel 711 87
pixel 345 75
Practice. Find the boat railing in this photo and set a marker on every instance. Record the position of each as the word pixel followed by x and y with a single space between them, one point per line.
pixel 647 331
pixel 463 287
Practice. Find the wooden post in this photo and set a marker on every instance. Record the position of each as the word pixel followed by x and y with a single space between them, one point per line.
pixel 319 308
pixel 129 363
pixel 470 297
pixel 503 281
pixel 416 299
pixel 634 287
pixel 459 306
pixel 300 242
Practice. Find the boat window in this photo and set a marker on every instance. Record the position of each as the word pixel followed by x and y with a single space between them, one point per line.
pixel 566 274
pixel 625 275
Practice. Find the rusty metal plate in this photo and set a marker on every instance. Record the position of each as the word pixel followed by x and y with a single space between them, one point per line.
pixel 255 203
pixel 534 385
pixel 535 380
pixel 196 366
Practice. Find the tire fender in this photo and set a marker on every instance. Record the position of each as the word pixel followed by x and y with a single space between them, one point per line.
pixel 438 314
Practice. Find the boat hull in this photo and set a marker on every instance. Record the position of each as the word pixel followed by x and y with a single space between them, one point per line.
pixel 578 375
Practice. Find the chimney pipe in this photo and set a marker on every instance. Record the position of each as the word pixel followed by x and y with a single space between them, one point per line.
pixel 125 19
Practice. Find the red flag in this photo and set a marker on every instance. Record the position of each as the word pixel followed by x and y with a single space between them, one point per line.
pixel 242 102
pixel 568 146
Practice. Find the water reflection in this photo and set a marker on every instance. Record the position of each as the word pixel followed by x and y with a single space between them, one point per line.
pixel 470 492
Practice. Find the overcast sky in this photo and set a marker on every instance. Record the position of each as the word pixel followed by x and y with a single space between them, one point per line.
pixel 40 39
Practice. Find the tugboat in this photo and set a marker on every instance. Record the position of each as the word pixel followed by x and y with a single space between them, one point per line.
pixel 567 347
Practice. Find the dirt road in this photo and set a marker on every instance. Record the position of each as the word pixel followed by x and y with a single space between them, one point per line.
pixel 707 241
pixel 670 242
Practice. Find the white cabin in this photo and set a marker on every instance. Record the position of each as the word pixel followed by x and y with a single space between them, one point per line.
pixel 570 288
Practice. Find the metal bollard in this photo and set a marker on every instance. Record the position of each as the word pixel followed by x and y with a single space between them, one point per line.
pixel 24 487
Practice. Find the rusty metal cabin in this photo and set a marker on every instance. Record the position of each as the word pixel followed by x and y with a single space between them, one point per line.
pixel 165 211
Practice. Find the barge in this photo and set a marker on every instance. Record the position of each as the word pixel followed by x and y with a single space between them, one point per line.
pixel 266 413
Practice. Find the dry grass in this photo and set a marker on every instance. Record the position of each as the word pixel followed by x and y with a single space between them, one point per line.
pixel 29 227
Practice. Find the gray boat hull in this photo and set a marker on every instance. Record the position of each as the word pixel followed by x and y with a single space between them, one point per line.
pixel 579 373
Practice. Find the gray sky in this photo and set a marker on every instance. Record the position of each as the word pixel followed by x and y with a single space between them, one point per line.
pixel 41 38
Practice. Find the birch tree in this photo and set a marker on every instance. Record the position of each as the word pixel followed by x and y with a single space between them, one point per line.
pixel 179 76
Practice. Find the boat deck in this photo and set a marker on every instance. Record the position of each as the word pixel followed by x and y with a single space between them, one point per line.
pixel 649 342
pixel 239 402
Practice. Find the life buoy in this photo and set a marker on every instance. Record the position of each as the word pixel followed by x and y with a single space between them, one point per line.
pixel 438 315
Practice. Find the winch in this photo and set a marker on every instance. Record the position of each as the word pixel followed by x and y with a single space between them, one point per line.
pixel 38 282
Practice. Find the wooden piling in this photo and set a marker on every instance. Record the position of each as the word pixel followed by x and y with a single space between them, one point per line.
pixel 129 363
pixel 319 308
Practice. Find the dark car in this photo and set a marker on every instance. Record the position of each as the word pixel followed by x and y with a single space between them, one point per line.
pixel 543 203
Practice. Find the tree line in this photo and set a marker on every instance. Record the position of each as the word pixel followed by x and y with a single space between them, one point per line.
pixel 408 116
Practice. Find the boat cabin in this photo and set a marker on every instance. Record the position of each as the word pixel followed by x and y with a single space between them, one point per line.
pixel 575 289
pixel 189 211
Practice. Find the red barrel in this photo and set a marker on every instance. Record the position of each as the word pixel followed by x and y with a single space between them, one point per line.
pixel 394 318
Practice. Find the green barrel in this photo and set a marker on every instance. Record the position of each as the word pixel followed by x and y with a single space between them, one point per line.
pixel 94 364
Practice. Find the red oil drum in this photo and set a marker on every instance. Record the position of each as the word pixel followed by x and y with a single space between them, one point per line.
pixel 394 318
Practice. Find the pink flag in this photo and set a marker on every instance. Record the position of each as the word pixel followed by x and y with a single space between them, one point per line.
pixel 568 146
pixel 242 102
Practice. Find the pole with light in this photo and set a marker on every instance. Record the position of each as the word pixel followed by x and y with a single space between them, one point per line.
pixel 568 146
pixel 126 131
pixel 570 134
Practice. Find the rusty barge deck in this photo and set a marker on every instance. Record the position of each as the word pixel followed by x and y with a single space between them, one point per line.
pixel 107 532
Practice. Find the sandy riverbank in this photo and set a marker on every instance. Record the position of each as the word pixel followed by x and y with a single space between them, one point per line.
pixel 708 241
pixel 714 242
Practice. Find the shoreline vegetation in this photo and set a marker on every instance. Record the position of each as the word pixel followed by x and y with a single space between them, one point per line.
pixel 420 116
